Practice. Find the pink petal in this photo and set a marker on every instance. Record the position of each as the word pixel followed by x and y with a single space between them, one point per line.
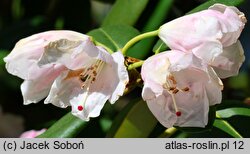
pixel 204 89
pixel 73 54
pixel 35 90
pixel 32 133
pixel 22 61
pixel 229 61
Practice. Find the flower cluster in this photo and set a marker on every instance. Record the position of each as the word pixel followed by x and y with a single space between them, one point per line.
pixel 68 69
pixel 181 84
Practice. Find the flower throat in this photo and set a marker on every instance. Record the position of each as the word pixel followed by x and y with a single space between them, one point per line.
pixel 172 89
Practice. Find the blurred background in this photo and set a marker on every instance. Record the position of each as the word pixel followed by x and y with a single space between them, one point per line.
pixel 22 18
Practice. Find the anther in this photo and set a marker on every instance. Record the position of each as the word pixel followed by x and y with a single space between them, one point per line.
pixel 185 89
pixel 172 88
pixel 175 91
pixel 171 77
pixel 83 78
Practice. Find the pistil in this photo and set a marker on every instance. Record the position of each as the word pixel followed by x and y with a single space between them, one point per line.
pixel 87 77
pixel 172 89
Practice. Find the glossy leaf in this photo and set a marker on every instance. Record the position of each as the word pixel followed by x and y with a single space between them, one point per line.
pixel 226 127
pixel 115 36
pixel 120 117
pixel 105 124
pixel 230 112
pixel 143 48
pixel 68 126
pixel 125 12
pixel 139 122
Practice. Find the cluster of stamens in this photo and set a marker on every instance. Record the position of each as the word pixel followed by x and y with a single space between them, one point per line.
pixel 87 77
pixel 172 89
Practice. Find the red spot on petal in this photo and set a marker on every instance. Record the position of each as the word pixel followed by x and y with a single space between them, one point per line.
pixel 80 108
pixel 178 113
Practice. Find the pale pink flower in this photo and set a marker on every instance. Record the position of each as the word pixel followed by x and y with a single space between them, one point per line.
pixel 179 89
pixel 70 69
pixel 211 35
pixel 32 133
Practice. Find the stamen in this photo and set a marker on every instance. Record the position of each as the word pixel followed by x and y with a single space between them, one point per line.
pixel 175 91
pixel 185 89
pixel 171 77
pixel 171 86
pixel 178 113
pixel 87 77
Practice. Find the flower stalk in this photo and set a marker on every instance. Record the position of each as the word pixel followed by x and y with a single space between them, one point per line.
pixel 135 65
pixel 138 38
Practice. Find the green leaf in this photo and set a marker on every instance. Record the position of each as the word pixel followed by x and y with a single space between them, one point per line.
pixel 3 53
pixel 160 46
pixel 115 36
pixel 226 127
pixel 125 12
pixel 142 49
pixel 139 122
pixel 228 113
pixel 68 126
pixel 120 117
pixel 240 81
pixel 105 124
pixel 212 2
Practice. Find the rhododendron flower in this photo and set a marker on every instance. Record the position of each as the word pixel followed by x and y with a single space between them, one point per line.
pixel 211 35
pixel 179 89
pixel 70 69
pixel 32 133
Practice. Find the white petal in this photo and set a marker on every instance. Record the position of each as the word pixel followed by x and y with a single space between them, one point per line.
pixel 93 106
pixel 214 87
pixel 193 104
pixel 63 89
pixel 208 51
pixel 204 89
pixel 73 54
pixel 66 90
pixel 194 107
pixel 160 107
pixel 159 61
pixel 219 22
pixel 22 61
pixel 151 90
pixel 120 78
pixel 189 31
pixel 35 90
pixel 229 61
pixel 100 91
